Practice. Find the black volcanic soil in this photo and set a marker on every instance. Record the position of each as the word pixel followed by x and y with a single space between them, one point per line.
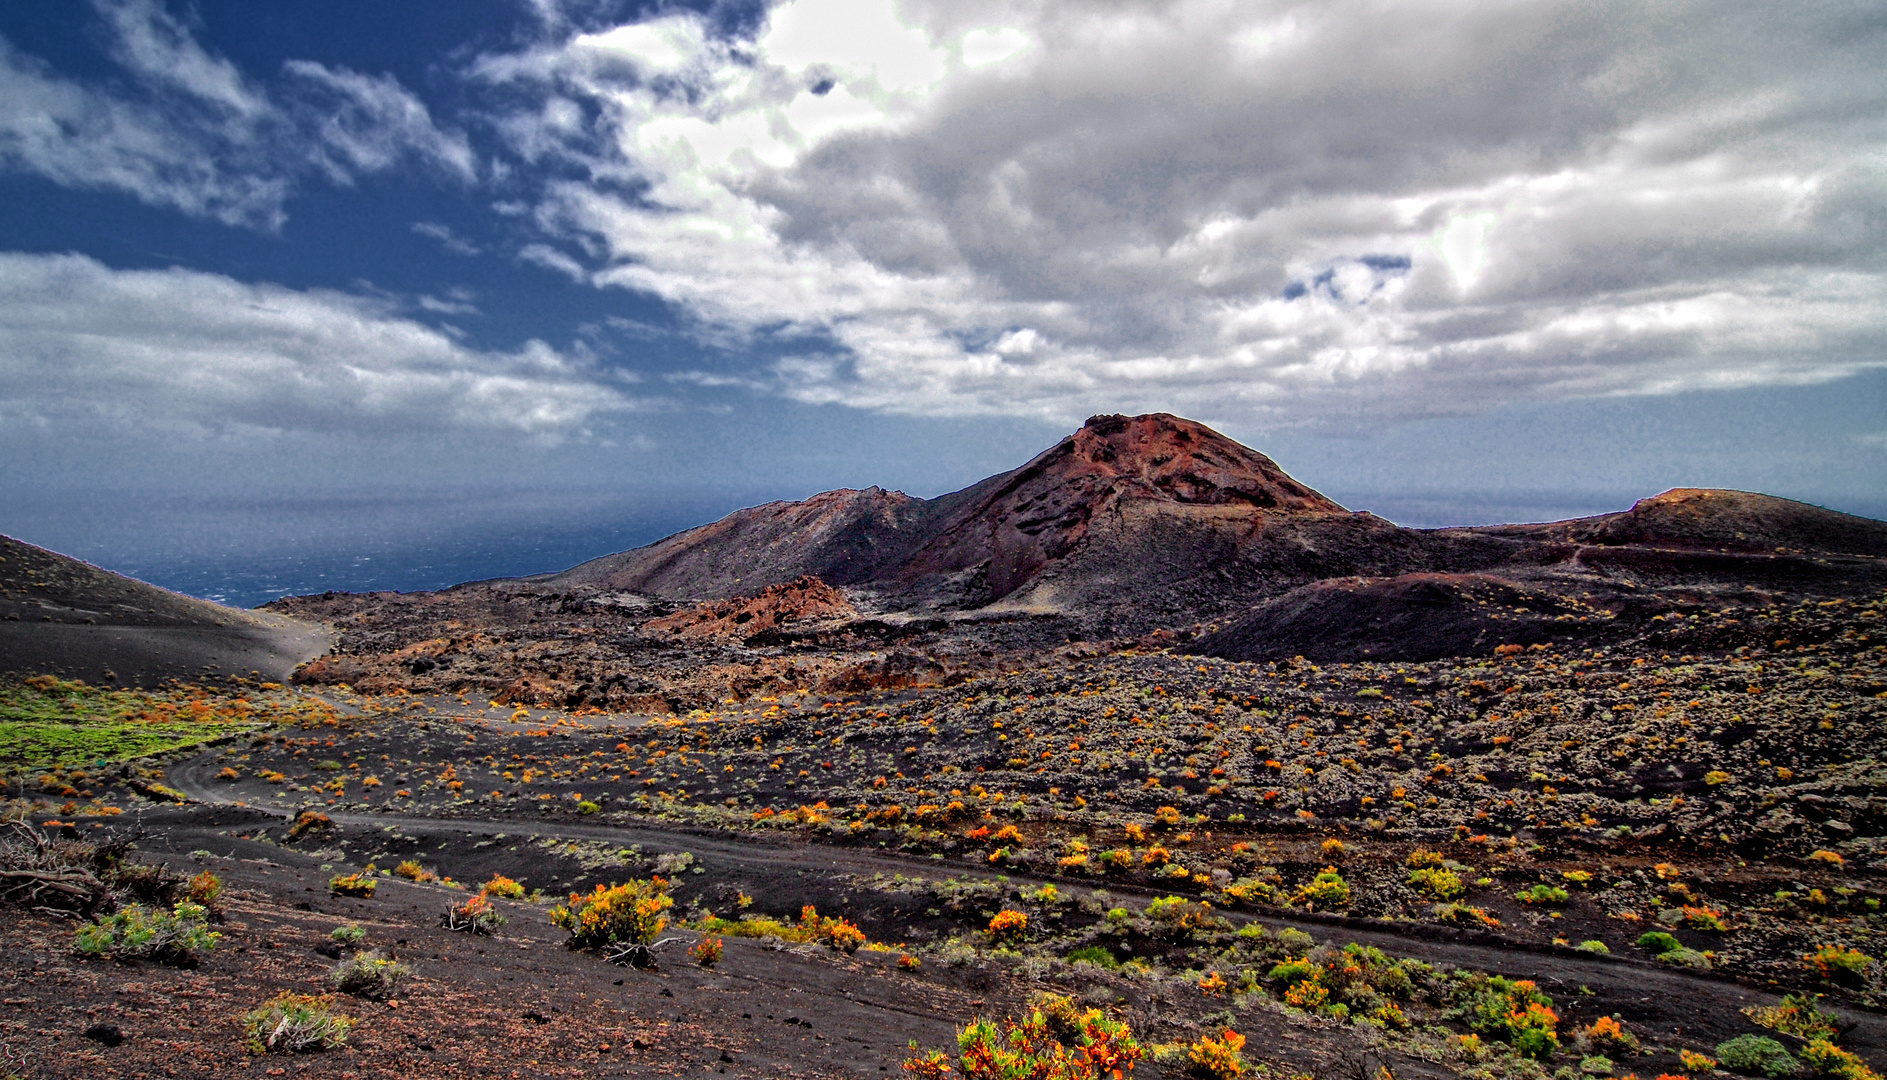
pixel 1699 773
pixel 62 616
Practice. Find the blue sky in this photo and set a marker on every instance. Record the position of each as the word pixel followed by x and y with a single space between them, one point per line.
pixel 619 267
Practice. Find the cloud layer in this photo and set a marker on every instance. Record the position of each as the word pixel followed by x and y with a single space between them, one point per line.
pixel 1259 210
pixel 186 130
pixel 85 349
pixel 1260 213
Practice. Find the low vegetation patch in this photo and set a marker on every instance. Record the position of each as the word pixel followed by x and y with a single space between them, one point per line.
pixel 137 932
pixel 291 1023
pixel 48 723
pixel 369 975
pixel 1096 1047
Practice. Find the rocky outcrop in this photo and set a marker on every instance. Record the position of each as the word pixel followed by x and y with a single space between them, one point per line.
pixel 805 600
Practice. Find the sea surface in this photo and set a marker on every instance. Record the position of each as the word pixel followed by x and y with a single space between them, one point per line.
pixel 247 551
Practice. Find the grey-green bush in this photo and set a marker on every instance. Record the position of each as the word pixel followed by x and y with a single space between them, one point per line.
pixel 1757 1055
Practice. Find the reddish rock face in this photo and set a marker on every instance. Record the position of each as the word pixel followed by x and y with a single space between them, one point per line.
pixel 805 600
pixel 1164 457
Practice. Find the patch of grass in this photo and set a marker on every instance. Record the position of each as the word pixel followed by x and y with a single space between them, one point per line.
pixel 48 723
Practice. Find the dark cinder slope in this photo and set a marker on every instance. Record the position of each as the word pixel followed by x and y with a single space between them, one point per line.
pixel 841 537
pixel 65 617
pixel 1739 521
pixel 1599 578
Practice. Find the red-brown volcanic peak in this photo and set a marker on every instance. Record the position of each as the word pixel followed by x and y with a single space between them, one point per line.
pixel 1165 457
pixel 1736 520
pixel 1021 521
pixel 1011 526
pixel 838 536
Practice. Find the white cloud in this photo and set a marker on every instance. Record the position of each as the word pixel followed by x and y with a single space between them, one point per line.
pixel 186 130
pixel 81 138
pixel 451 241
pixel 152 44
pixel 982 48
pixel 366 124
pixel 1258 210
pixel 94 349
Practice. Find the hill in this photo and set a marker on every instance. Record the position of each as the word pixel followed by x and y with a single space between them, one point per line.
pixel 1144 519
pixel 1132 523
pixel 62 616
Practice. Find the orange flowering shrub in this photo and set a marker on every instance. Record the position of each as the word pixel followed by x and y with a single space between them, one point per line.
pixel 1102 1048
pixel 502 887
pixel 633 913
pixel 351 885
pixel 1607 1033
pixel 205 888
pixel 476 916
pixel 706 952
pixel 1220 1058
pixel 839 933
pixel 1008 925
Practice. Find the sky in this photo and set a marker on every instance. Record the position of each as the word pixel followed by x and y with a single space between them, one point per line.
pixel 350 294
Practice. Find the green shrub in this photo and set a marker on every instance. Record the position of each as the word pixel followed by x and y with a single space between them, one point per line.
pixel 1438 883
pixel 291 1023
pixel 1684 957
pixel 1542 894
pixel 347 935
pixel 1098 955
pixel 1510 1009
pixel 1756 1055
pixel 1594 945
pixel 1657 942
pixel 1327 890
pixel 136 932
pixel 369 975
pixel 1796 1014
